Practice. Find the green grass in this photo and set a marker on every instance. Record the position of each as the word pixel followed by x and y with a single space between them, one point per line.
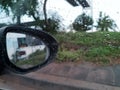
pixel 98 47
pixel 34 59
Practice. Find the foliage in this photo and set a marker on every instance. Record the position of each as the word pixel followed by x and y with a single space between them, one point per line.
pixel 33 59
pixel 68 56
pixel 99 47
pixel 105 23
pixel 32 8
pixel 5 5
pixel 53 23
pixel 83 23
pixel 19 7
pixel 2 25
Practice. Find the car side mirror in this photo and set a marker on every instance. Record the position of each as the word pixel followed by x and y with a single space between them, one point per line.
pixel 25 49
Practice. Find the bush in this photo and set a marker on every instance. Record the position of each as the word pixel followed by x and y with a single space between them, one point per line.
pixel 68 56
pixel 83 23
pixel 99 47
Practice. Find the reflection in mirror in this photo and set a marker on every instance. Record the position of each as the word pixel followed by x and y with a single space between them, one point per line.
pixel 25 51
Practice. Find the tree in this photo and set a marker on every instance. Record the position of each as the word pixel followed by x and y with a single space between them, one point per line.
pixel 19 8
pixel 105 23
pixel 54 23
pixel 32 8
pixel 83 23
pixel 51 24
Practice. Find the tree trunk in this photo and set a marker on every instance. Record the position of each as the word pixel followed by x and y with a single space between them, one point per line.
pixel 45 14
pixel 18 19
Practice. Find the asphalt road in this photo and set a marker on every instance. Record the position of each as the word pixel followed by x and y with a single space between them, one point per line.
pixel 108 75
pixel 65 76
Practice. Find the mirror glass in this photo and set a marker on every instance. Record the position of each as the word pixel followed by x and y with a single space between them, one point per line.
pixel 25 51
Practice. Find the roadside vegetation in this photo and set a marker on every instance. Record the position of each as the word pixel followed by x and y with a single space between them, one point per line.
pixel 99 48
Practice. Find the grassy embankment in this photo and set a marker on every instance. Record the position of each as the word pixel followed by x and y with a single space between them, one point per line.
pixel 100 47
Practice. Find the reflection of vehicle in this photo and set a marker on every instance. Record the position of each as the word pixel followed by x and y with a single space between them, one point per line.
pixel 24 52
pixel 21 45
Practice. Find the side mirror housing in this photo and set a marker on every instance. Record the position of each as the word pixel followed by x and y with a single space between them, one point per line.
pixel 25 49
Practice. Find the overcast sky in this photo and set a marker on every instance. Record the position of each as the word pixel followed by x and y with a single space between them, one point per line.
pixel 69 13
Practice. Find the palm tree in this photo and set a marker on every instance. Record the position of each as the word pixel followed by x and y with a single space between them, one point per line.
pixel 105 23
